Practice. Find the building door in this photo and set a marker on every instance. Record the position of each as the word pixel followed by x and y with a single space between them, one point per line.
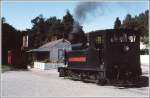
pixel 60 55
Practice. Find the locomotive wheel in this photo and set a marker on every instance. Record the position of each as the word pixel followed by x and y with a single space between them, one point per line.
pixel 101 82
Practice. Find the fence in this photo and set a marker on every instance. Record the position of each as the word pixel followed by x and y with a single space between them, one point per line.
pixel 47 66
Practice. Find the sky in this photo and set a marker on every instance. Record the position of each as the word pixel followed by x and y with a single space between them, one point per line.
pixel 20 13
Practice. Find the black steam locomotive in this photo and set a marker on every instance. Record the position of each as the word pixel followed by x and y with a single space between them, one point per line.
pixel 110 55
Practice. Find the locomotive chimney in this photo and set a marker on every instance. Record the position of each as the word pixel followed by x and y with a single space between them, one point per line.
pixel 75 31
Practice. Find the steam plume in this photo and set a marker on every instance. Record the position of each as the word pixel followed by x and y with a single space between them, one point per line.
pixel 86 9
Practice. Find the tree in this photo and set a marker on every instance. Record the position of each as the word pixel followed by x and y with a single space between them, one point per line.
pixel 3 20
pixel 127 23
pixel 56 28
pixel 45 30
pixel 143 27
pixel 67 24
pixel 117 23
pixel 139 23
pixel 38 30
pixel 11 40
pixel 130 22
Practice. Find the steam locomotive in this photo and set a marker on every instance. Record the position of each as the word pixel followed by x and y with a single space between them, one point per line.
pixel 110 55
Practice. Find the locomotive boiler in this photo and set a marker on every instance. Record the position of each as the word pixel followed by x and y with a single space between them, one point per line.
pixel 112 54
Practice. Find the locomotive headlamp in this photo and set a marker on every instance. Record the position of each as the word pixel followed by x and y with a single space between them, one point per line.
pixel 126 48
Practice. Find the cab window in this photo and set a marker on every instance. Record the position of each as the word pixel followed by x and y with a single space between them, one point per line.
pixel 123 38
pixel 99 40
pixel 132 38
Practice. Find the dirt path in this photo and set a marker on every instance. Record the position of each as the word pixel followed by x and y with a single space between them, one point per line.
pixel 37 83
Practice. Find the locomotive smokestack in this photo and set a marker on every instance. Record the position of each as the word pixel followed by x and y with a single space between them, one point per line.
pixel 76 27
pixel 75 31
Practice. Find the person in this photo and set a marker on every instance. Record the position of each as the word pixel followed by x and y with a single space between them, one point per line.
pixel 9 57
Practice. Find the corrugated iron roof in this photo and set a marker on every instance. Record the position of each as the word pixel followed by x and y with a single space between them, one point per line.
pixel 48 46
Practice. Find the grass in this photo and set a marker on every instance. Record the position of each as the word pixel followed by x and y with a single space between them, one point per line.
pixel 5 68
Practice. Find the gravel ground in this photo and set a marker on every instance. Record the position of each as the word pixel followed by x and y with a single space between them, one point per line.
pixel 38 83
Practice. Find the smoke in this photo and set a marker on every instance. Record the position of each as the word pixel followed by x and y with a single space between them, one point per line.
pixel 76 27
pixel 87 11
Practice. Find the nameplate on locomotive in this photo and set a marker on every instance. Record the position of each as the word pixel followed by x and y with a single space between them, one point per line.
pixel 77 59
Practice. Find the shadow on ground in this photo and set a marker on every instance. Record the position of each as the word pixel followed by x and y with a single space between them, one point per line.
pixel 142 82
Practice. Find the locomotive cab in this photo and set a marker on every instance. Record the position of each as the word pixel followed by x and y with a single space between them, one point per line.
pixel 123 54
pixel 119 51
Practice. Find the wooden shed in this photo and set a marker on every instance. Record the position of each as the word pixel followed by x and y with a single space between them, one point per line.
pixel 53 51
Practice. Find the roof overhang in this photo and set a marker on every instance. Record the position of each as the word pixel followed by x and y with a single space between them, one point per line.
pixel 39 50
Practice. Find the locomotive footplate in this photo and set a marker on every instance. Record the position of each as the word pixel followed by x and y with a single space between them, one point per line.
pixel 85 69
pixel 85 75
